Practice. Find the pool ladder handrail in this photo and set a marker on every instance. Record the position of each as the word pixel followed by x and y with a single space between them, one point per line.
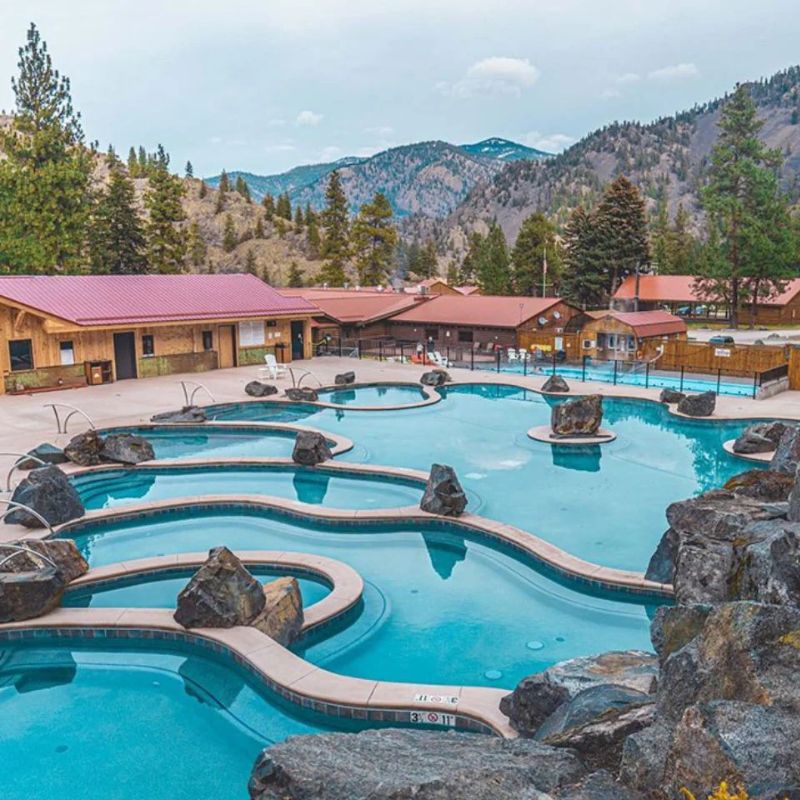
pixel 17 549
pixel 296 383
pixel 73 410
pixel 13 505
pixel 189 397
pixel 21 458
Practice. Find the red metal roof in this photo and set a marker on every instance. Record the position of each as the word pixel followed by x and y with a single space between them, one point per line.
pixel 469 289
pixel 486 311
pixel 358 305
pixel 681 289
pixel 649 323
pixel 88 300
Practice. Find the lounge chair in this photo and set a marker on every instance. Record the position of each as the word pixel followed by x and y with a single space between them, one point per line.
pixel 439 360
pixel 273 369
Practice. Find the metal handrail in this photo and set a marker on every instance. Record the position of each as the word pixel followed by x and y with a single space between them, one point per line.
pixel 189 398
pixel 62 424
pixel 18 548
pixel 305 373
pixel 20 458
pixel 14 505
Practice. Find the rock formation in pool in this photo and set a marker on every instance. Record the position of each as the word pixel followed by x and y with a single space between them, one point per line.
pixel 787 454
pixel 555 384
pixel 443 493
pixel 579 417
pixel 90 449
pixel 762 437
pixel 671 396
pixel 436 377
pixel 48 491
pixel 310 448
pixel 301 394
pixel 188 414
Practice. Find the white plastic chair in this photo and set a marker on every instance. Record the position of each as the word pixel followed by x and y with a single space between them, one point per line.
pixel 512 354
pixel 440 360
pixel 273 369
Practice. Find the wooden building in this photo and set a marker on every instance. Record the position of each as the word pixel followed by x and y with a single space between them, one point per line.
pixel 77 329
pixel 628 336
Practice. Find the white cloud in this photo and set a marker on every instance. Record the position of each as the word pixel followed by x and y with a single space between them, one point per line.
pixel 550 143
pixel 380 130
pixel 610 94
pixel 494 75
pixel 628 77
pixel 674 72
pixel 309 118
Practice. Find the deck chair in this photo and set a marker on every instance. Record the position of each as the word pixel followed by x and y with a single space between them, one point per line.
pixel 273 369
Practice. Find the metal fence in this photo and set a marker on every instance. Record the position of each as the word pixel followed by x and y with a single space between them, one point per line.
pixel 646 374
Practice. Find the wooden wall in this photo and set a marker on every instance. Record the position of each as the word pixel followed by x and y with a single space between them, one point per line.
pixel 794 368
pixel 741 358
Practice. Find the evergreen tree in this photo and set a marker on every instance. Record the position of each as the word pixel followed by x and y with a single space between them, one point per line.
pixel 166 241
pixel 189 171
pixel 336 224
pixel 258 233
pixel 269 207
pixel 535 245
pixel 452 275
pixel 492 267
pixel 111 155
pixel 428 261
pixel 116 235
pixel 224 182
pixel 203 190
pixel 313 240
pixel 584 281
pixel 295 276
pixel 250 264
pixel 143 162
pixel 229 238
pixel 45 195
pixel 196 246
pixel 749 213
pixel 283 208
pixel 242 188
pixel 133 164
pixel 298 219
pixel 467 273
pixel 374 239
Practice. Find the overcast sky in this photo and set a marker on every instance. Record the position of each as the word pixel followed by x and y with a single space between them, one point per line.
pixel 263 85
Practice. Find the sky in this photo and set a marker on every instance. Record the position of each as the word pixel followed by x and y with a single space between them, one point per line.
pixel 265 85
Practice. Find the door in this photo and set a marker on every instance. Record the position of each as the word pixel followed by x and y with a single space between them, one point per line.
pixel 297 340
pixel 125 355
pixel 226 345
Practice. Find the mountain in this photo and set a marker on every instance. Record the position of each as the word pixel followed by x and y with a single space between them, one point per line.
pixel 504 150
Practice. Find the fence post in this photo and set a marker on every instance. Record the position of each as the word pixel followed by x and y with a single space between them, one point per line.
pixel 719 378
pixel 472 358
pixel 358 347
pixel 647 375
pixel 615 372
pixel 525 362
pixel 583 369
pixel 402 355
pixel 554 362
pixel 447 355
pixel 340 346
pixel 497 359
pixel 682 371
pixel 380 349
pixel 755 385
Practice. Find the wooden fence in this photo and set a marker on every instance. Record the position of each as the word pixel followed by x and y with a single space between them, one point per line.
pixel 794 368
pixel 731 358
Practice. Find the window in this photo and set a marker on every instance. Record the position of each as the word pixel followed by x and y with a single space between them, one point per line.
pixel 431 333
pixel 148 345
pixel 208 340
pixel 587 344
pixel 21 352
pixel 272 323
pixel 67 352
pixel 251 334
pixel 465 336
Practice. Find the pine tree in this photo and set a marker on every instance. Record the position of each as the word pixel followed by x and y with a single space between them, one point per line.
pixel 298 219
pixel 374 239
pixel 336 224
pixel 196 246
pixel 111 155
pixel 224 182
pixel 492 267
pixel 203 190
pixel 143 162
pixel 295 276
pixel 258 233
pixel 749 213
pixel 535 246
pixel 428 261
pixel 133 164
pixel 116 236
pixel 269 207
pixel 45 195
pixel 189 170
pixel 242 188
pixel 584 280
pixel 250 264
pixel 283 207
pixel 467 273
pixel 229 238
pixel 166 241
pixel 313 238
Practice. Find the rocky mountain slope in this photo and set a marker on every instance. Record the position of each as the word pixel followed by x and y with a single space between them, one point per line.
pixel 503 150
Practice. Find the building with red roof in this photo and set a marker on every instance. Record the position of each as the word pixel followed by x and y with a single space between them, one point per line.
pixel 628 335
pixel 62 330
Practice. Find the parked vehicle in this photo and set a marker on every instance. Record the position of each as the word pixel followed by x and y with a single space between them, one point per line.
pixel 721 340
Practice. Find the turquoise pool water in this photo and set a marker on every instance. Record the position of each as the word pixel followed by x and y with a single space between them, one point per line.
pixel 604 503
pixel 114 488
pixel 101 719
pixel 438 607
pixel 161 590
pixel 374 395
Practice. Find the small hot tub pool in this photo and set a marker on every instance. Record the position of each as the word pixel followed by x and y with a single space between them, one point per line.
pixel 374 394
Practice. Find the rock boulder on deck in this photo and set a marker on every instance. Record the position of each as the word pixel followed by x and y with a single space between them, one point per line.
pixel 259 389
pixel 302 394
pixel 46 452
pixel 698 405
pixel 282 617
pixel 126 448
pixel 763 437
pixel 436 377
pixel 85 449
pixel 48 491
pixel 64 553
pixel 345 378
pixel 25 595
pixel 670 396
pixel 555 383
pixel 187 414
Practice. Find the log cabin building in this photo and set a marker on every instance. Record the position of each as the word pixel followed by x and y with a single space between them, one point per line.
pixel 74 330
pixel 627 336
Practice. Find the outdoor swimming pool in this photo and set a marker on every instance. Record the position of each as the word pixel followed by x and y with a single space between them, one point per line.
pixel 118 487
pixel 397 394
pixel 432 596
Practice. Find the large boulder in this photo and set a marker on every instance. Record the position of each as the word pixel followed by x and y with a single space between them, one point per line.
pixel 673 627
pixel 698 405
pixel 671 396
pixel 394 764
pixel 599 785
pixel 48 491
pixel 187 414
pixel 793 510
pixel 85 449
pixel 46 452
pixel 282 617
pixel 345 378
pixel 443 493
pixel 63 553
pixel 25 595
pixel 310 448
pixel 221 594
pixel 436 377
pixel 126 448
pixel 259 389
pixel 579 417
pixel 555 383
pixel 787 454
pixel 763 437
pixel 302 394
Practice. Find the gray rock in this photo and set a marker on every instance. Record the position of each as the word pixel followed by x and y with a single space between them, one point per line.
pixel 670 396
pixel 599 785
pixel 345 378
pixel 310 448
pixel 698 405
pixel 282 617
pixel 48 491
pixel 258 389
pixel 761 484
pixel 436 377
pixel 644 756
pixel 396 764
pixel 555 383
pixel 443 493
pixel 579 417
pixel 188 414
pixel 85 449
pixel 46 452
pixel 673 627
pixel 126 448
pixel 793 510
pixel 25 595
pixel 221 594
pixel 769 565
pixel 763 437
pixel 302 394
pixel 787 454
pixel 64 553
pixel 533 700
